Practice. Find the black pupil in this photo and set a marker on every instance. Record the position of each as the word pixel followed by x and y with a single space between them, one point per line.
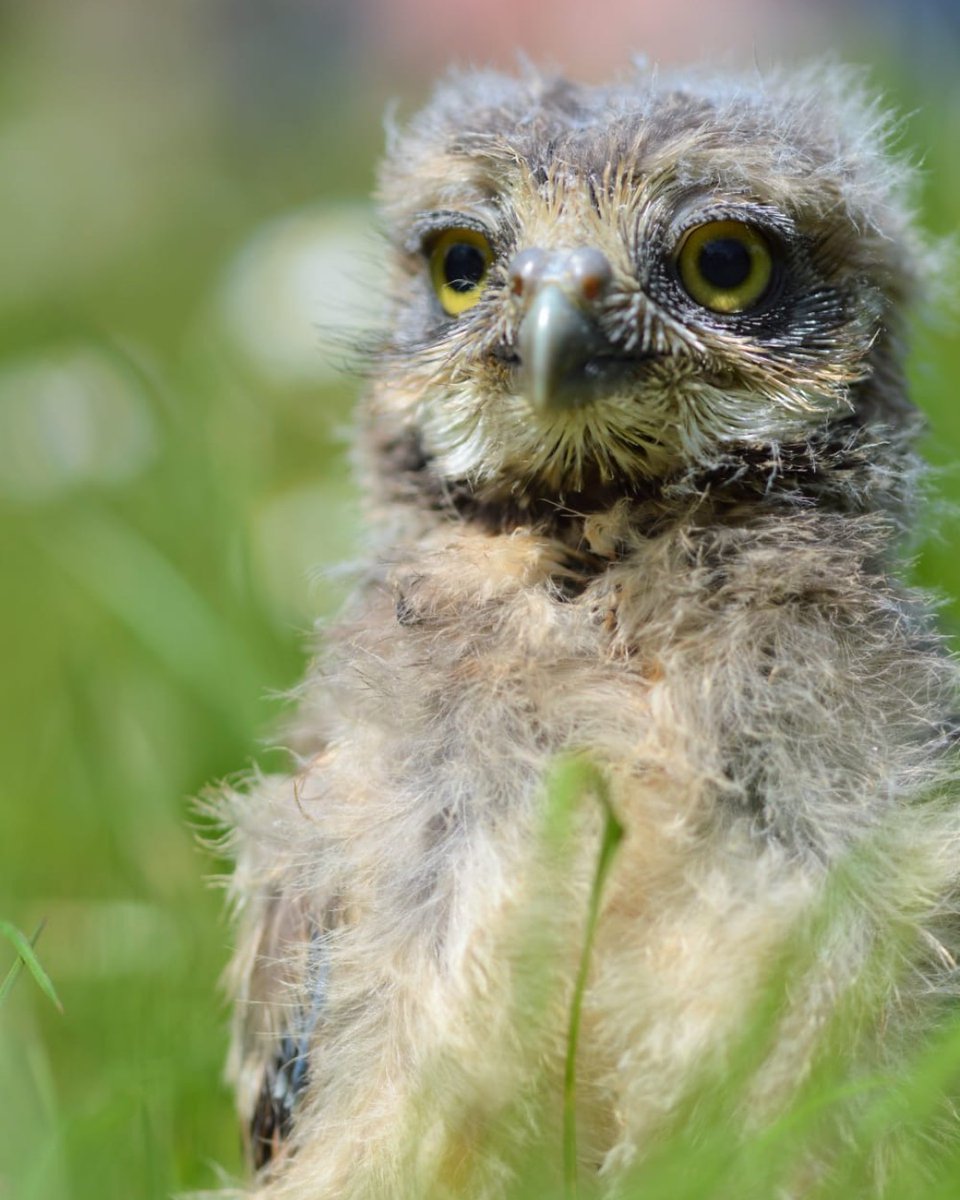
pixel 463 267
pixel 725 263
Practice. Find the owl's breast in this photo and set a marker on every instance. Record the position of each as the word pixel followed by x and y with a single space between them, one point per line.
pixel 479 659
pixel 767 669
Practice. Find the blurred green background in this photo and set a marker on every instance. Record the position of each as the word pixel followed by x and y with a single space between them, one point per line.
pixel 185 237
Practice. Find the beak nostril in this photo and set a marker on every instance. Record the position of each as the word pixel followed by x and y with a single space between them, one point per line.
pixel 591 271
pixel 591 287
pixel 525 269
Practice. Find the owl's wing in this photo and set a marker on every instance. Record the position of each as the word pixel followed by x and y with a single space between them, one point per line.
pixel 284 1077
pixel 282 997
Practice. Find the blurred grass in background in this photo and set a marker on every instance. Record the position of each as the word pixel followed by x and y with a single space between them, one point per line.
pixel 182 202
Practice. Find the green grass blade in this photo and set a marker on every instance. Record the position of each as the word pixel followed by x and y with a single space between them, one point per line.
pixel 27 957
pixel 573 779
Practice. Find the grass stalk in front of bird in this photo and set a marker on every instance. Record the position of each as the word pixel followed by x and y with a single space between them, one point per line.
pixel 569 782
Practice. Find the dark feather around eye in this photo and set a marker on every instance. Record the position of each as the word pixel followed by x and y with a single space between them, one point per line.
pixel 428 226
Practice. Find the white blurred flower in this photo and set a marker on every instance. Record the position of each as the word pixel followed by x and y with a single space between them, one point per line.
pixel 302 291
pixel 70 416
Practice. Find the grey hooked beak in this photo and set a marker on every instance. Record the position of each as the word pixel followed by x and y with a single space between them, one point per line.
pixel 556 339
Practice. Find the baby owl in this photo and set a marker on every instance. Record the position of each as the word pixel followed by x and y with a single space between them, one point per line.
pixel 638 458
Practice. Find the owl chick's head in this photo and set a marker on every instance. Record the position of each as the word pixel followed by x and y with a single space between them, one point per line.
pixel 617 284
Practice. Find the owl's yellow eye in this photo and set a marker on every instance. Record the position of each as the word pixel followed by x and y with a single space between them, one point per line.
pixel 459 262
pixel 725 265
